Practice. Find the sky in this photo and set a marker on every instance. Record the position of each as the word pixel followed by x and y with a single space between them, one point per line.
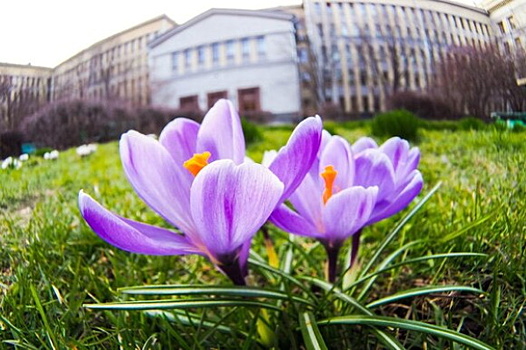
pixel 48 32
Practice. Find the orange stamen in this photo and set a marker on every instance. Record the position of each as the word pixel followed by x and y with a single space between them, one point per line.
pixel 197 162
pixel 328 175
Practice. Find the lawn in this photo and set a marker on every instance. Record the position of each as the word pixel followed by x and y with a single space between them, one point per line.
pixel 51 263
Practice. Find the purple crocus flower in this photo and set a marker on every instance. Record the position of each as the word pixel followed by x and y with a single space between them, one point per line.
pixel 344 192
pixel 195 178
pixel 393 168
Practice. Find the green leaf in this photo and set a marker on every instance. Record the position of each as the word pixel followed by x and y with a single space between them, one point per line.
pixel 312 337
pixel 389 238
pixel 384 266
pixel 284 275
pixel 382 321
pixel 187 319
pixel 246 292
pixel 178 304
pixel 388 340
pixel 421 291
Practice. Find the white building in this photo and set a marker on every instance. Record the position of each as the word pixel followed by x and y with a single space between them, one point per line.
pixel 509 21
pixel 369 49
pixel 246 56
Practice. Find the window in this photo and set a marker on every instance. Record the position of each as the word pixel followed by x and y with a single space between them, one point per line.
pixel 507 48
pixel 249 100
pixel 175 62
pixel 245 49
pixel 213 97
pixel 511 21
pixel 201 55
pixel 188 58
pixel 501 27
pixel 215 54
pixel 303 55
pixel 261 47
pixel 230 51
pixel 189 104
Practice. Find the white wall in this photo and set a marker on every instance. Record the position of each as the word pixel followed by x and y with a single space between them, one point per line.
pixel 276 74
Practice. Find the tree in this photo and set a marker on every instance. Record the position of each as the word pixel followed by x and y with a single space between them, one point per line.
pixel 16 102
pixel 477 81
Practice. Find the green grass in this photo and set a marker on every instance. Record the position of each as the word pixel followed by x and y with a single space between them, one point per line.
pixel 51 263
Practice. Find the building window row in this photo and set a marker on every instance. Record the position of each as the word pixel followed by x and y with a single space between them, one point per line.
pixel 249 100
pixel 382 13
pixel 216 54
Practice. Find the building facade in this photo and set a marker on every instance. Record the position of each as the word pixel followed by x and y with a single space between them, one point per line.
pixel 115 68
pixel 23 89
pixel 508 18
pixel 246 56
pixel 368 50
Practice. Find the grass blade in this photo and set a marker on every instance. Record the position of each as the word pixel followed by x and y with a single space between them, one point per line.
pixel 387 240
pixel 421 291
pixel 246 292
pixel 178 304
pixel 388 340
pixel 312 337
pixel 42 313
pixel 383 265
pixel 382 321
pixel 284 275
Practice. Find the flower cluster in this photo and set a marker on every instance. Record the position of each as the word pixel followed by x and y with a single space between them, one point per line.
pixel 11 163
pixel 52 155
pixel 86 150
pixel 198 179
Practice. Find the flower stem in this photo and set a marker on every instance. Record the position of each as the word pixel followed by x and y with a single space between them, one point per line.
pixel 355 247
pixel 332 258
pixel 233 271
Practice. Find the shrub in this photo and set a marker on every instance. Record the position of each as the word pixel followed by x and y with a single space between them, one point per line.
pixel 10 144
pixel 400 123
pixel 519 127
pixel 251 131
pixel 471 123
pixel 71 123
pixel 423 105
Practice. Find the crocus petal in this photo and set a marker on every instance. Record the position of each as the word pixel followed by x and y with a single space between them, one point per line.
pixel 362 144
pixel 338 154
pixel 397 150
pixel 373 168
pixel 156 178
pixel 348 211
pixel 294 160
pixel 409 165
pixel 307 199
pixel 130 235
pixel 402 200
pixel 229 203
pixel 290 221
pixel 221 133
pixel 179 137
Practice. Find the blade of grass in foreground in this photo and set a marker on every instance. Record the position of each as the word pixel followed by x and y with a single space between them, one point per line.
pixel 311 334
pixel 178 304
pixel 388 239
pixel 388 340
pixel 383 321
pixel 247 292
pixel 422 291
